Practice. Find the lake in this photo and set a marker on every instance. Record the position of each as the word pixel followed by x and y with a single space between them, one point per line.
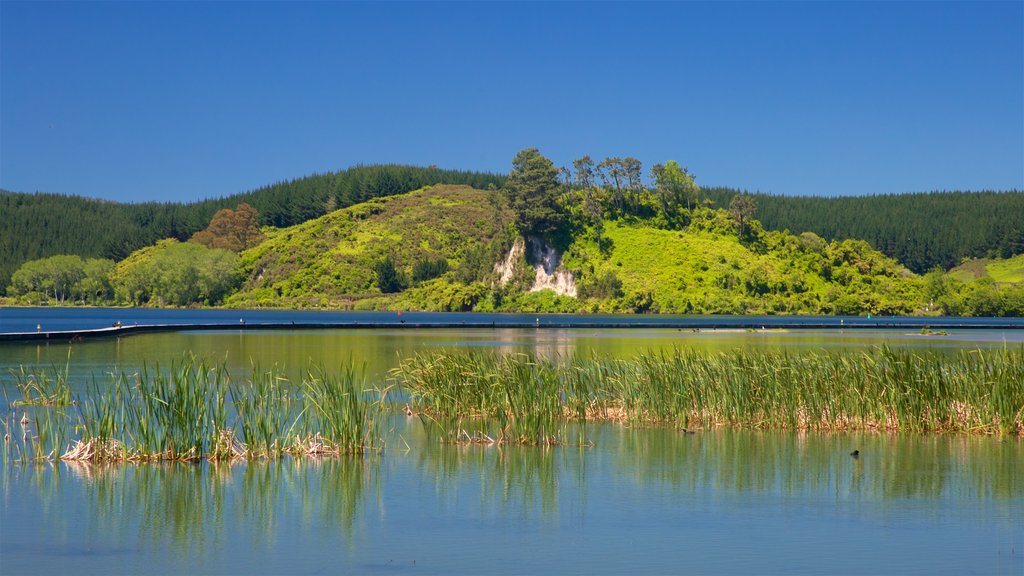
pixel 638 500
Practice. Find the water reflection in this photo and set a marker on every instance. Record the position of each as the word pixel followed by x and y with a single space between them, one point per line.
pixel 799 463
pixel 379 350
pixel 663 483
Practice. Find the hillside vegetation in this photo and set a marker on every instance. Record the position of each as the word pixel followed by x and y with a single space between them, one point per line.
pixel 35 226
pixel 331 261
pixel 590 238
pixel 1001 271
pixel 920 230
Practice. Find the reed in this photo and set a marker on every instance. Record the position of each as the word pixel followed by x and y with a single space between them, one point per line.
pixel 978 391
pixel 192 411
pixel 485 397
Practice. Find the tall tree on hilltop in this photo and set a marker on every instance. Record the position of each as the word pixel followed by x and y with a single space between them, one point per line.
pixel 592 205
pixel 674 186
pixel 612 173
pixel 742 208
pixel 532 189
pixel 633 170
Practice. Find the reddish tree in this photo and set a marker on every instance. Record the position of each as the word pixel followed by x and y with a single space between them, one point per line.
pixel 234 230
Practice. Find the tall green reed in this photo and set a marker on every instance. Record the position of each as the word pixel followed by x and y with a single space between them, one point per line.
pixel 979 391
pixel 195 410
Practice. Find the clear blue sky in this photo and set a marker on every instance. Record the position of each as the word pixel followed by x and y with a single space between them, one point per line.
pixel 178 101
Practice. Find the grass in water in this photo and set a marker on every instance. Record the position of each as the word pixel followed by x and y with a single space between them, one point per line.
pixel 522 399
pixel 194 411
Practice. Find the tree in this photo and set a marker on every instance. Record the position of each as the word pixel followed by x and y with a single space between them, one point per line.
pixel 633 170
pixel 532 189
pixel 584 168
pixel 674 186
pixel 389 278
pixel 176 274
pixel 742 208
pixel 592 205
pixel 234 230
pixel 612 173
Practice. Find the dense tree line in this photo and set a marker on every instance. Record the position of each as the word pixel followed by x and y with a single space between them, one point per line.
pixel 34 226
pixel 921 230
pixel 64 279
pixel 173 273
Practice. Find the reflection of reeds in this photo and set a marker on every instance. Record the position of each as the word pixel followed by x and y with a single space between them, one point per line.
pixel 192 412
pixel 879 389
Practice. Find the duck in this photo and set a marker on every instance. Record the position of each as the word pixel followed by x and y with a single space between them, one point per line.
pixel 855 453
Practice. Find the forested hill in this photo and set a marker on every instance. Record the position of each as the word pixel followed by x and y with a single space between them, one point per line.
pixel 39 225
pixel 920 230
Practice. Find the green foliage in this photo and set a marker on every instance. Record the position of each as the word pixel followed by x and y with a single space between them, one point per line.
pixel 428 269
pixel 389 279
pixel 708 270
pixel 475 266
pixel 438 295
pixel 674 187
pixel 63 279
pixel 532 189
pixel 742 209
pixel 1000 270
pixel 330 261
pixel 920 230
pixel 39 225
pixel 605 286
pixel 173 273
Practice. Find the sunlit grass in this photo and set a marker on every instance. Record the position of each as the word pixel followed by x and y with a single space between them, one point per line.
pixel 521 399
pixel 194 411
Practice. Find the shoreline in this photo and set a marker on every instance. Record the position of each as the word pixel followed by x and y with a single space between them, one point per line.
pixel 758 325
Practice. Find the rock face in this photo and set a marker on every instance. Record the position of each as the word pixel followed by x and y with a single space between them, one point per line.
pixel 547 265
pixel 506 269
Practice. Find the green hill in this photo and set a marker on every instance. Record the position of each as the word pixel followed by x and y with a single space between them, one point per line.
pixel 1002 271
pixel 35 226
pixel 332 261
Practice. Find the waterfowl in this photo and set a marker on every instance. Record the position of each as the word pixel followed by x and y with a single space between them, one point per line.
pixel 855 453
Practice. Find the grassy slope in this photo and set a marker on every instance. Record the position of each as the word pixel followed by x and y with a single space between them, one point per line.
pixel 714 272
pixel 705 269
pixel 330 260
pixel 1001 270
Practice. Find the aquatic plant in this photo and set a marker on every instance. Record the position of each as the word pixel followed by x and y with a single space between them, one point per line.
pixel 486 397
pixel 878 389
pixel 192 411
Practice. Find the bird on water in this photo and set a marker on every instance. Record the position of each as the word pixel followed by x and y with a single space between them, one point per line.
pixel 855 453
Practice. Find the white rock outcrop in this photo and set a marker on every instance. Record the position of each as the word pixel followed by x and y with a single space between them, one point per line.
pixel 548 271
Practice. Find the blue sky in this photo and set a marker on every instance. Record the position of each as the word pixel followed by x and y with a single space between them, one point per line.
pixel 178 101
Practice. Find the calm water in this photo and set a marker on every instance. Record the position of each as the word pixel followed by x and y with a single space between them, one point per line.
pixel 47 319
pixel 638 500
